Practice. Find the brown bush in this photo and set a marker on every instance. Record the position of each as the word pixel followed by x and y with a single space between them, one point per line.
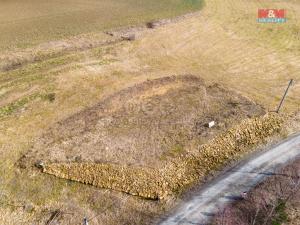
pixel 268 203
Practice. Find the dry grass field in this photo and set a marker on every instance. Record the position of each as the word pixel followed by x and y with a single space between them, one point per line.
pixel 142 124
pixel 25 23
pixel 222 44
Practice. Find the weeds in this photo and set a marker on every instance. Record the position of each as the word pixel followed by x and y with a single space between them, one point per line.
pixel 280 216
pixel 21 103
pixel 49 97
pixel 268 203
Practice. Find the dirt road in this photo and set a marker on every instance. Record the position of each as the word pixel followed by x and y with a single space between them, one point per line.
pixel 229 186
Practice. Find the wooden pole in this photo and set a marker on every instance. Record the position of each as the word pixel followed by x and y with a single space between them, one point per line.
pixel 285 93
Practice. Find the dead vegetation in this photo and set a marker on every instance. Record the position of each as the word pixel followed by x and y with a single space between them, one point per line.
pixel 145 125
pixel 180 172
pixel 220 45
pixel 273 202
pixel 147 140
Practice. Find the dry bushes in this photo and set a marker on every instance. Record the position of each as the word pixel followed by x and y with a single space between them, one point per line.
pixel 178 173
pixel 275 201
pixel 136 181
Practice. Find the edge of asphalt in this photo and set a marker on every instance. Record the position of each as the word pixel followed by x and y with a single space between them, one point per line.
pixel 218 175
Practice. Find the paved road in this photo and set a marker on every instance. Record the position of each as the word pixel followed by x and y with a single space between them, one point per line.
pixel 228 187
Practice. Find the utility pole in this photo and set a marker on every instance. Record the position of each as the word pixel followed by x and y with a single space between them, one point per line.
pixel 285 93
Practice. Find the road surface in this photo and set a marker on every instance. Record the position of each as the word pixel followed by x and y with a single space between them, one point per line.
pixel 228 187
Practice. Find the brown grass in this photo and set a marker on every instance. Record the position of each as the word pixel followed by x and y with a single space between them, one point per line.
pixel 145 125
pixel 223 43
pixel 180 172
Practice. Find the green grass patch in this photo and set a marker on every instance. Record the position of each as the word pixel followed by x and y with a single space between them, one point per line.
pixel 36 72
pixel 280 217
pixel 19 104
pixel 176 150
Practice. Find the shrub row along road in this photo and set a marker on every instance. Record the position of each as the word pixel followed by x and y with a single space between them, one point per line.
pixel 228 187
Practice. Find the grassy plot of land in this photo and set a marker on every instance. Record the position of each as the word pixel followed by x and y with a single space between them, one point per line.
pixel 145 123
pixel 216 45
pixel 178 173
pixel 75 82
pixel 226 44
pixel 24 23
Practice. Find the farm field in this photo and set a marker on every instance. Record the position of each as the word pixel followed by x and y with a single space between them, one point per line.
pixel 29 22
pixel 57 88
